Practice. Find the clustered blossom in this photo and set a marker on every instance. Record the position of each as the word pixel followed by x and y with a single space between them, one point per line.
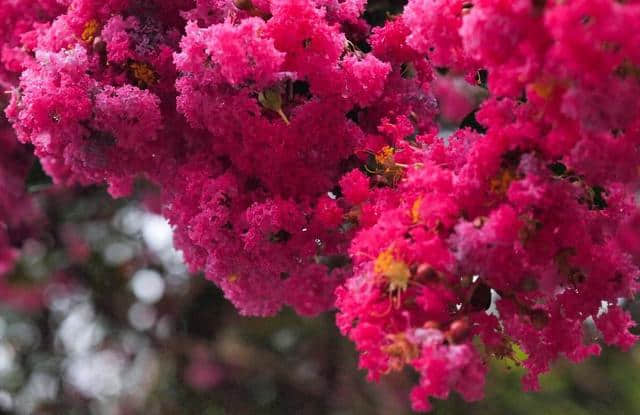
pixel 299 155
pixel 538 212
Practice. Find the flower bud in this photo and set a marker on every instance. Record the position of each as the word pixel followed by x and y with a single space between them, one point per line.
pixel 243 4
pixel 458 331
pixel 425 272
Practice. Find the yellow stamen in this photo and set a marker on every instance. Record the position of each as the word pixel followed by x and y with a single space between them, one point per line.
pixel 415 210
pixel 544 89
pixel 389 171
pixel 90 30
pixel 396 272
pixel 385 155
pixel 401 351
pixel 143 72
pixel 500 183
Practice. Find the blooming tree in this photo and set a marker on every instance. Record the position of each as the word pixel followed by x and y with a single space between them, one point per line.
pixel 457 178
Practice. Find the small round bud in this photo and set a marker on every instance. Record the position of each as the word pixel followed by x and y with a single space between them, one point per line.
pixel 479 222
pixel 425 272
pixel 243 4
pixel 99 45
pixel 431 325
pixel 458 331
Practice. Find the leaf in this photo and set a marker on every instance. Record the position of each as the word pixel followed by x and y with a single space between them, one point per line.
pixel 271 99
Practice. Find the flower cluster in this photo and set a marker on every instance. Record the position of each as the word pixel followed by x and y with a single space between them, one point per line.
pixel 520 231
pixel 298 150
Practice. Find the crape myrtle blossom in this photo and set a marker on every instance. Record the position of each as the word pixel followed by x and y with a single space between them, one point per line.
pixel 539 210
pixel 300 161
